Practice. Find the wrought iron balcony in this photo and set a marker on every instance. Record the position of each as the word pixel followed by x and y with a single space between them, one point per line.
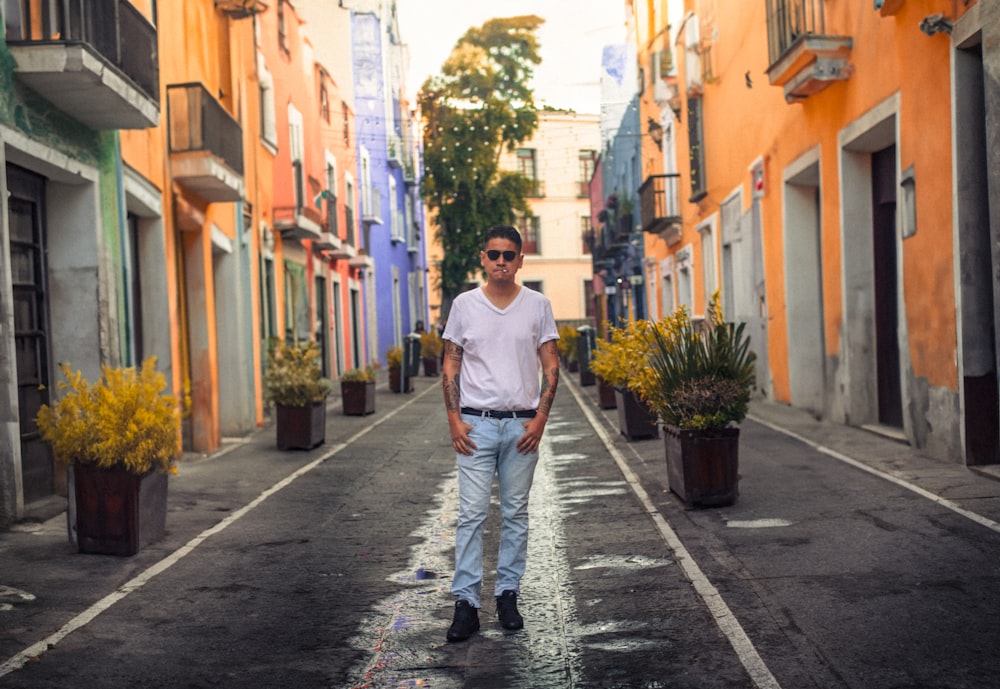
pixel 659 206
pixel 95 61
pixel 803 58
pixel 536 188
pixel 206 144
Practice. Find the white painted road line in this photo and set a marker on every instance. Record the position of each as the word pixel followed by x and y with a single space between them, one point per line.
pixel 723 616
pixel 943 502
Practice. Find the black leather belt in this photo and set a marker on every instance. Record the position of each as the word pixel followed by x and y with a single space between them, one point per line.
pixel 493 414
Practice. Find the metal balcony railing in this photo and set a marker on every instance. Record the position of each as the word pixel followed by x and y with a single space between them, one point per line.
pixel 659 202
pixel 198 122
pixel 115 30
pixel 788 21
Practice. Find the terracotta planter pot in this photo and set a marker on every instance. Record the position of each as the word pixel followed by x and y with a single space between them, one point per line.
pixel 358 397
pixel 703 466
pixel 635 418
pixel 431 365
pixel 605 395
pixel 118 512
pixel 300 428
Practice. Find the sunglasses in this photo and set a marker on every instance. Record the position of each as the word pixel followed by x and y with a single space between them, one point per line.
pixel 508 256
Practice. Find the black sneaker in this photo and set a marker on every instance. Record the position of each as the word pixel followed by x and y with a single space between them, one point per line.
pixel 510 618
pixel 466 622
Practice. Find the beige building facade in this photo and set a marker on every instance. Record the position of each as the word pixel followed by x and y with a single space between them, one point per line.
pixel 560 159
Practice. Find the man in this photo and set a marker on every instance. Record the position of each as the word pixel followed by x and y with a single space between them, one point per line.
pixel 496 338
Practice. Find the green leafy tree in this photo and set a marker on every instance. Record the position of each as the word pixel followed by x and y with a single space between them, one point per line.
pixel 480 105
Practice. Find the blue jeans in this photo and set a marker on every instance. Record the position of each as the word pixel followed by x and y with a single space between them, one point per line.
pixel 497 454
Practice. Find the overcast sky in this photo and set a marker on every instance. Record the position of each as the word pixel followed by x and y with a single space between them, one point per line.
pixel 571 40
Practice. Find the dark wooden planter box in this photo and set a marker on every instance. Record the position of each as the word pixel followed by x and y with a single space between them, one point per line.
pixel 398 382
pixel 358 397
pixel 300 428
pixel 587 376
pixel 118 512
pixel 573 365
pixel 431 365
pixel 605 395
pixel 635 418
pixel 703 466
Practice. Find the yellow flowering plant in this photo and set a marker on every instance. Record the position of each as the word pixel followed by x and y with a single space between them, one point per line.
pixel 359 374
pixel 431 344
pixel 394 356
pixel 567 342
pixel 123 419
pixel 622 361
pixel 294 375
pixel 699 377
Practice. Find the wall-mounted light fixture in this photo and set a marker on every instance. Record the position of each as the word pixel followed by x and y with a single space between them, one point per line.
pixel 936 23
pixel 909 219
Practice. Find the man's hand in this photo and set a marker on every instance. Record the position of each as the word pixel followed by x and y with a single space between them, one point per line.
pixel 460 437
pixel 532 438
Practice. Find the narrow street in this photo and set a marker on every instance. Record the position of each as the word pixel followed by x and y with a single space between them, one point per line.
pixel 331 568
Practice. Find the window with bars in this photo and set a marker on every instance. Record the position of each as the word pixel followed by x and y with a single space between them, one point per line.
pixel 588 159
pixel 282 26
pixel 696 138
pixel 530 229
pixel 527 165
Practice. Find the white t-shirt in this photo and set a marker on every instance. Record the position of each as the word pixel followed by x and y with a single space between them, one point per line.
pixel 500 362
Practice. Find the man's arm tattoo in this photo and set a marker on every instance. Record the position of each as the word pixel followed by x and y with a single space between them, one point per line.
pixel 550 382
pixel 451 384
pixel 451 392
pixel 452 351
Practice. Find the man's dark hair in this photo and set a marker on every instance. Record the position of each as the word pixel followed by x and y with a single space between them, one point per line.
pixel 503 232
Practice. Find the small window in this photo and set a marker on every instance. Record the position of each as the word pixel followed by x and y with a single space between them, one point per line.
pixel 588 159
pixel 282 32
pixel 530 229
pixel 324 100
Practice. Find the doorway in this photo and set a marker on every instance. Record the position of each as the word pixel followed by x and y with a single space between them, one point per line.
pixel 31 325
pixel 980 406
pixel 886 279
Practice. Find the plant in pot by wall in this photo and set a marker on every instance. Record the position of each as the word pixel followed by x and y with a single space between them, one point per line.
pixel 700 384
pixel 431 346
pixel 621 364
pixel 567 347
pixel 121 437
pixel 357 390
pixel 295 384
pixel 394 360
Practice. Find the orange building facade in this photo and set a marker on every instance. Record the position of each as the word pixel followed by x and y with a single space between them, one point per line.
pixel 826 167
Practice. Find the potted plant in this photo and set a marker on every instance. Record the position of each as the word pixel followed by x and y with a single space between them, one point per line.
pixel 621 363
pixel 700 382
pixel 357 390
pixel 294 383
pixel 567 347
pixel 120 437
pixel 430 352
pixel 394 360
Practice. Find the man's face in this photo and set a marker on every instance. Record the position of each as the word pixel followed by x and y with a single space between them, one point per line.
pixel 501 260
